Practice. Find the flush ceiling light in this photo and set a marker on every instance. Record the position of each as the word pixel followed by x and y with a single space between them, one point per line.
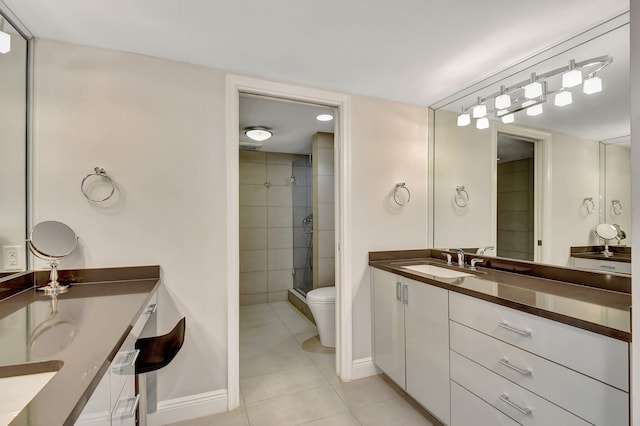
pixel 464 120
pixel 324 117
pixel 592 85
pixel 482 123
pixel 502 101
pixel 534 110
pixel 573 77
pixel 258 133
pixel 509 118
pixel 5 42
pixel 563 98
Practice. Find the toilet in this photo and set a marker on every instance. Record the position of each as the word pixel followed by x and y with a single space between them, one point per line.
pixel 322 303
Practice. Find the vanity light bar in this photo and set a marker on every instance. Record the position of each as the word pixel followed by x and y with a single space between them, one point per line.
pixel 528 94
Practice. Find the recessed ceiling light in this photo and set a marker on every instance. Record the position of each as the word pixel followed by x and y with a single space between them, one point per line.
pixel 258 133
pixel 324 117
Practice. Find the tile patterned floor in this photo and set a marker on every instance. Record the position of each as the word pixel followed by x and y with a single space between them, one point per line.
pixel 288 378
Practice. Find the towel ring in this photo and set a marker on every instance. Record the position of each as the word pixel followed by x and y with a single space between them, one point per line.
pixel 101 173
pixel 462 197
pixel 590 205
pixel 616 206
pixel 400 186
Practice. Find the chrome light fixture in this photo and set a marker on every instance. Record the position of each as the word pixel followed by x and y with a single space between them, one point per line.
pixel 464 120
pixel 534 89
pixel 5 39
pixel 563 97
pixel 573 77
pixel 502 101
pixel 592 85
pixel 534 110
pixel 482 123
pixel 508 118
pixel 480 110
pixel 258 133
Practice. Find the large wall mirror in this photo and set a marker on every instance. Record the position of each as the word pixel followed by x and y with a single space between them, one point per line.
pixel 14 83
pixel 530 163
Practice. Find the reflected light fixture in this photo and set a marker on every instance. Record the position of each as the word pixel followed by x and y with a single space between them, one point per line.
pixel 258 133
pixel 534 110
pixel 324 117
pixel 464 120
pixel 592 85
pixel 482 123
pixel 509 118
pixel 479 111
pixel 573 77
pixel 5 42
pixel 562 98
pixel 502 101
pixel 533 89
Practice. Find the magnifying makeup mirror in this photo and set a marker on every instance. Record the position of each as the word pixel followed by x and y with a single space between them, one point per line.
pixel 606 231
pixel 52 241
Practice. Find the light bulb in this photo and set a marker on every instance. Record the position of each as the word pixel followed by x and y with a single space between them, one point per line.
pixel 509 118
pixel 592 85
pixel 324 117
pixel 5 42
pixel 533 90
pixel 563 98
pixel 479 111
pixel 503 101
pixel 464 120
pixel 534 110
pixel 482 123
pixel 572 78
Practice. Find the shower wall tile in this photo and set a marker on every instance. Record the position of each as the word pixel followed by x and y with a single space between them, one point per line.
pixel 253 195
pixel 281 158
pixel 277 296
pixel 301 175
pixel 253 173
pixel 278 217
pixel 279 196
pixel 280 259
pixel 300 238
pixel 279 174
pixel 326 243
pixel 326 218
pixel 279 280
pixel 299 213
pixel 278 238
pixel 324 141
pixel 253 216
pixel 252 299
pixel 325 162
pixel 253 157
pixel 300 257
pixel 253 238
pixel 299 196
pixel 253 282
pixel 325 189
pixel 326 272
pixel 253 260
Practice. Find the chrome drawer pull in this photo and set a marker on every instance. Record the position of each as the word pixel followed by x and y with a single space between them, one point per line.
pixel 506 326
pixel 405 294
pixel 151 309
pixel 398 291
pixel 125 402
pixel 607 267
pixel 523 371
pixel 505 398
pixel 129 360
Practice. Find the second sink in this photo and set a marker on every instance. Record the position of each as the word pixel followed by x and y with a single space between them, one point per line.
pixel 437 271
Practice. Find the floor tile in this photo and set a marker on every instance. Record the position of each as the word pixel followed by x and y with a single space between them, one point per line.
pixel 397 412
pixel 296 408
pixel 229 418
pixel 267 364
pixel 360 393
pixel 284 382
pixel 344 419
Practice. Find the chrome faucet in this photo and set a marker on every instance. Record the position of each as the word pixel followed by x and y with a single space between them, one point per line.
pixel 460 256
pixel 474 262
pixel 482 250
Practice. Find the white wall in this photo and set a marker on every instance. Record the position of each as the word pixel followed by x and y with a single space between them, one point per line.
pixel 158 129
pixel 618 187
pixel 389 145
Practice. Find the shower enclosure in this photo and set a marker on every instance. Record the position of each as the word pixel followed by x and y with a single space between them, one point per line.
pixel 302 225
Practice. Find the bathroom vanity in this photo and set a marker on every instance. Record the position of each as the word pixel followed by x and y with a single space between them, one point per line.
pixel 509 343
pixel 84 339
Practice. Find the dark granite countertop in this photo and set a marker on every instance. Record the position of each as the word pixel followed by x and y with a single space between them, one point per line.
pixel 100 309
pixel 601 310
pixel 618 253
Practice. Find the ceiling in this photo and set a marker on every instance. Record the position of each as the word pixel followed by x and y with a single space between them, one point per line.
pixel 416 51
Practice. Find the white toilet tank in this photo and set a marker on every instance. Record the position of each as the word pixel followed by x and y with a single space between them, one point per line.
pixel 322 303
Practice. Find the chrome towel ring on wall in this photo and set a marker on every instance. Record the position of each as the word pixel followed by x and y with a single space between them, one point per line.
pixel 590 205
pixel 99 174
pixel 399 187
pixel 462 197
pixel 616 207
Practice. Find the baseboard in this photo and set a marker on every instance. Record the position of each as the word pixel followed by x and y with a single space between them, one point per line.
pixel 189 407
pixel 363 367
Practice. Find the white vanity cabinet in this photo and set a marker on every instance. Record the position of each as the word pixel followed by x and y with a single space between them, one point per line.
pixel 601 265
pixel 411 338
pixel 534 370
pixel 114 401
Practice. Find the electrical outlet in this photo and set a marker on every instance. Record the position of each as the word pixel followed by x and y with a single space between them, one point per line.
pixel 11 257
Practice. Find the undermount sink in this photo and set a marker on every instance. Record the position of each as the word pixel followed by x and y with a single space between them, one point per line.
pixel 19 384
pixel 437 271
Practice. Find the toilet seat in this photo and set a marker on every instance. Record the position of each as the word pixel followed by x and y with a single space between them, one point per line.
pixel 322 295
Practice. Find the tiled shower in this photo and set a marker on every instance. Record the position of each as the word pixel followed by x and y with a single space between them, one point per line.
pixel 303 225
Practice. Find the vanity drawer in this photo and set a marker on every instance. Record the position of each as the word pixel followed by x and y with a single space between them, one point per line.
pixel 521 405
pixel 467 409
pixel 595 355
pixel 585 397
pixel 602 265
pixel 123 368
pixel 124 407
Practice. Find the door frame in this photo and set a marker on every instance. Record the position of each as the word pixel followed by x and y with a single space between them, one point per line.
pixel 235 85
pixel 542 190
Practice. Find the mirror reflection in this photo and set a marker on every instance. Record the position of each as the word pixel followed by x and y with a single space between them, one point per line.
pixel 542 168
pixel 13 125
